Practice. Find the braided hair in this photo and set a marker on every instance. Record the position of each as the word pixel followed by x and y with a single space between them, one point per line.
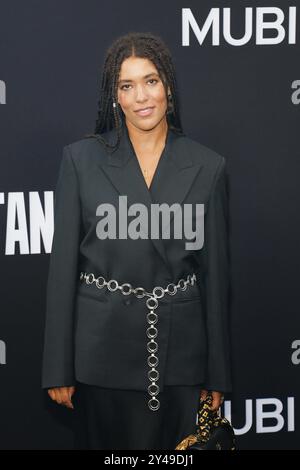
pixel 143 45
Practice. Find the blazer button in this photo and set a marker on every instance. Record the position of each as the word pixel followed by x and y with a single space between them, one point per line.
pixel 127 302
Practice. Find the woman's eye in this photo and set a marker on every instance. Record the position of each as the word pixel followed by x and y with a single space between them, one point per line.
pixel 151 80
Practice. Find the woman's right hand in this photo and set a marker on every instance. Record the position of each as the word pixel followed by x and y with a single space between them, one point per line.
pixel 62 395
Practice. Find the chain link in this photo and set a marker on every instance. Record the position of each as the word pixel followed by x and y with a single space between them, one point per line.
pixel 152 318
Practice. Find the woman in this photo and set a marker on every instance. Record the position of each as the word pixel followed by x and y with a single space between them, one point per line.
pixel 136 324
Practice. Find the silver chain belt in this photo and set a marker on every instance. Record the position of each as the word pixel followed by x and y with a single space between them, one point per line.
pixel 152 318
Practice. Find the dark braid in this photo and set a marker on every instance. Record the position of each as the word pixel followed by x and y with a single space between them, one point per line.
pixel 144 45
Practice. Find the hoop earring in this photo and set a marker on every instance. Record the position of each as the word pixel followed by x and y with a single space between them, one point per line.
pixel 170 104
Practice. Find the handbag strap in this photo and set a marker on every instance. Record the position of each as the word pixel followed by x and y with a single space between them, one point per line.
pixel 207 419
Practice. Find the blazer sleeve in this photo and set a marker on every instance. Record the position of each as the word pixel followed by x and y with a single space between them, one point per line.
pixel 58 354
pixel 214 256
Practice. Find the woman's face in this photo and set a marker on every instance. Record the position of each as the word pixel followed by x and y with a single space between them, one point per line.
pixel 140 87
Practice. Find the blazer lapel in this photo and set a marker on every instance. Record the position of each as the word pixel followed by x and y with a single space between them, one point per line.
pixel 172 180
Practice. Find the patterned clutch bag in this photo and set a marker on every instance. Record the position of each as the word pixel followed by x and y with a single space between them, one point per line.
pixel 212 432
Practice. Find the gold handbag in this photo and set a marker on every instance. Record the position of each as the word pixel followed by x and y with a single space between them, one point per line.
pixel 212 432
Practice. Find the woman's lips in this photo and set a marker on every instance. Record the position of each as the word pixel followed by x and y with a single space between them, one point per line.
pixel 145 112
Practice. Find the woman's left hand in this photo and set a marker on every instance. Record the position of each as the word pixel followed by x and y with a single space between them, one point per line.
pixel 217 397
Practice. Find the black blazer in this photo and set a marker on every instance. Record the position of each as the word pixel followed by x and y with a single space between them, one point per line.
pixel 99 337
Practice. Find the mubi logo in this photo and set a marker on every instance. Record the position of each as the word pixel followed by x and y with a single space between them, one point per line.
pixel 256 24
pixel 266 414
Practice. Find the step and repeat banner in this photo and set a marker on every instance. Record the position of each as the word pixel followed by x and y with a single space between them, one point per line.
pixel 238 73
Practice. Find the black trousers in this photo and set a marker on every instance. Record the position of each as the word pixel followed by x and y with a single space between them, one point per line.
pixel 113 419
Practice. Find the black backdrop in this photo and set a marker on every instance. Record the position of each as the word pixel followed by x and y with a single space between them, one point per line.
pixel 242 101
